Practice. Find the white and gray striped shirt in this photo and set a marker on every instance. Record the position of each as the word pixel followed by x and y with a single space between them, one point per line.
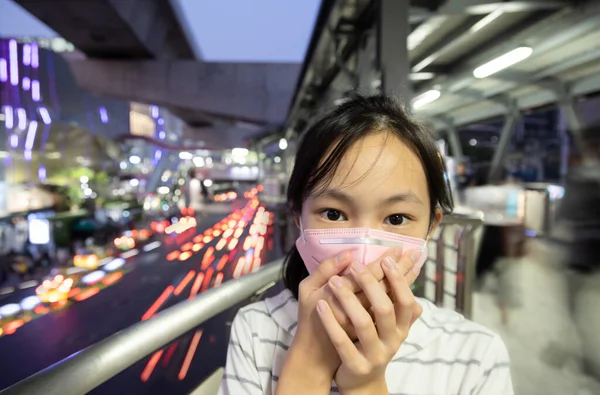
pixel 444 354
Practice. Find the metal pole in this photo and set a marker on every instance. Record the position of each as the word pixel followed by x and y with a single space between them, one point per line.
pixel 511 120
pixel 87 369
pixel 453 138
pixel 564 146
pixel 567 107
pixel 392 51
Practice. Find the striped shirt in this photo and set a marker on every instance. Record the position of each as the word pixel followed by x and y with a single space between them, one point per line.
pixel 444 354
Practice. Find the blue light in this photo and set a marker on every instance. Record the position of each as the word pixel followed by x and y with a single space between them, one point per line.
pixel 103 114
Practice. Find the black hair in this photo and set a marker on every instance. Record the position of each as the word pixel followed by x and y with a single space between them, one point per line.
pixel 325 143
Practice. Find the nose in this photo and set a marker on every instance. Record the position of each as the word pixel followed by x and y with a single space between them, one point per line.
pixel 366 221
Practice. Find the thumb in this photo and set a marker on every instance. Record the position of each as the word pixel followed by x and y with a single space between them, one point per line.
pixel 327 269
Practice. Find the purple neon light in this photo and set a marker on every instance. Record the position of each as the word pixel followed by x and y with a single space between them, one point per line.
pixel 35 90
pixel 154 111
pixel 157 154
pixel 14 141
pixel 161 121
pixel 45 115
pixel 26 54
pixel 3 70
pixel 31 135
pixel 162 135
pixel 13 60
pixel 8 117
pixel 26 83
pixel 103 114
pixel 42 173
pixel 35 61
pixel 27 155
pixel 22 115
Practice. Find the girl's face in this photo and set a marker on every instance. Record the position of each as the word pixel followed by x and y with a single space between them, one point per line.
pixel 379 184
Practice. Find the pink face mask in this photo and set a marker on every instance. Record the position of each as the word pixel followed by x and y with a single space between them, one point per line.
pixel 318 245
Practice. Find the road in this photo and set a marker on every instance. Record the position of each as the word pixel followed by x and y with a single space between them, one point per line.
pixel 182 266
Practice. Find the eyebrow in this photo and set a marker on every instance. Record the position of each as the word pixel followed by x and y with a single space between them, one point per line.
pixel 408 196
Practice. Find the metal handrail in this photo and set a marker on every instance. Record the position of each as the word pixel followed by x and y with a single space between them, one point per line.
pixel 87 369
pixel 83 371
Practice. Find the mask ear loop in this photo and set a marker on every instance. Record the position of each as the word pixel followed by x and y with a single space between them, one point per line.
pixel 302 230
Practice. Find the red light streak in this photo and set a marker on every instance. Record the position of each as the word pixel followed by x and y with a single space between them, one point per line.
pixel 12 326
pixel 112 278
pixel 184 282
pixel 173 255
pixel 197 247
pixel 196 285
pixel 39 309
pixel 147 372
pixel 207 279
pixel 207 262
pixel 185 256
pixel 218 280
pixel 169 354
pixel 73 292
pixel 190 355
pixel 222 262
pixel 88 293
pixel 239 267
pixel 159 302
pixel 187 246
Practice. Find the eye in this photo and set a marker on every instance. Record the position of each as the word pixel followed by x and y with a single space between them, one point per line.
pixel 396 220
pixel 333 215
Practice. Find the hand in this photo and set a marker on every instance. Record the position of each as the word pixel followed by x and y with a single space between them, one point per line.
pixel 405 267
pixel 311 351
pixel 363 364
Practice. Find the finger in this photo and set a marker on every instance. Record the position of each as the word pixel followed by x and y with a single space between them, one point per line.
pixel 410 259
pixel 358 315
pixel 345 348
pixel 404 299
pixel 375 268
pixel 417 311
pixel 381 305
pixel 326 269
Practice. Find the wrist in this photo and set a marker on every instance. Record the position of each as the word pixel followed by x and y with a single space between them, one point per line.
pixel 376 387
pixel 301 374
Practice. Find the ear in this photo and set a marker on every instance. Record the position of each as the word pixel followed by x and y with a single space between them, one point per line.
pixel 297 220
pixel 436 221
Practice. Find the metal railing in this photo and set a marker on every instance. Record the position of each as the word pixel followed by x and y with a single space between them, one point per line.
pixel 87 369
pixel 448 275
pixel 447 281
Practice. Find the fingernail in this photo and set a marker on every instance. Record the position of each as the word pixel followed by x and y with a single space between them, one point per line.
pixel 415 255
pixel 389 263
pixel 358 267
pixel 342 258
pixel 321 306
pixel 398 252
pixel 416 270
pixel 337 282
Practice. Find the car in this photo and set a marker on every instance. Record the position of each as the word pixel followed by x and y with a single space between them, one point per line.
pixel 55 289
pixel 86 261
pixel 125 242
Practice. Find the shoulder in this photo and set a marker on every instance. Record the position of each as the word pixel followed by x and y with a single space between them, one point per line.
pixel 459 335
pixel 275 314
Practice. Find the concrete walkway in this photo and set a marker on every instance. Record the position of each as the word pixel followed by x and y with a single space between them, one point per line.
pixel 540 335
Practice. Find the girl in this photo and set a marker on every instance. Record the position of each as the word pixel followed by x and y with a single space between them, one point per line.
pixel 366 192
